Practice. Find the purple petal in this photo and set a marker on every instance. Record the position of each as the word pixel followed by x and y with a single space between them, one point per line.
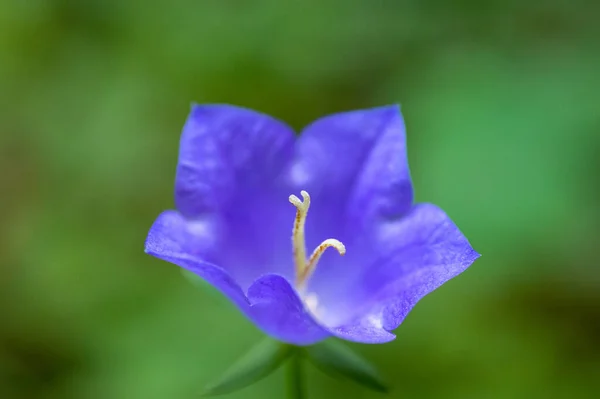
pixel 271 304
pixel 418 253
pixel 354 165
pixel 225 149
pixel 230 161
pixel 367 330
pixel 173 238
pixel 279 311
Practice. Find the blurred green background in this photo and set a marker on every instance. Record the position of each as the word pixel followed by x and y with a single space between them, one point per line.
pixel 502 105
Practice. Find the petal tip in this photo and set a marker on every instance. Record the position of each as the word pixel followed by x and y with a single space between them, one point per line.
pixel 390 110
pixel 472 255
pixel 394 107
pixel 146 249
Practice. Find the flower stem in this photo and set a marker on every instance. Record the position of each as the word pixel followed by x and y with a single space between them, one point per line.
pixel 295 376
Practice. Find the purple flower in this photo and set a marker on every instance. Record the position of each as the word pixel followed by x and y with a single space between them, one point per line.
pixel 235 216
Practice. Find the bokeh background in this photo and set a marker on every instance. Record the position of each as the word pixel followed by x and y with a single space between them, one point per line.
pixel 502 104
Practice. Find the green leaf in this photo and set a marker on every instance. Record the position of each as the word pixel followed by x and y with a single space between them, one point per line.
pixel 336 359
pixel 261 361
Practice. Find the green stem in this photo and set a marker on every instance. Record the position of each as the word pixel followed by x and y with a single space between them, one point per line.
pixel 295 376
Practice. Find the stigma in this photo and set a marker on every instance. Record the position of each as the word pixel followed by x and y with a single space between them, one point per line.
pixel 305 267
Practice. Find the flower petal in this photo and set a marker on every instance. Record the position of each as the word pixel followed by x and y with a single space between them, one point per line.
pixel 172 238
pixel 354 165
pixel 279 311
pixel 230 161
pixel 225 149
pixel 367 330
pixel 418 253
pixel 271 304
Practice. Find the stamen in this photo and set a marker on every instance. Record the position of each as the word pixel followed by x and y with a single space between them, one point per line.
pixel 316 255
pixel 298 244
pixel 304 268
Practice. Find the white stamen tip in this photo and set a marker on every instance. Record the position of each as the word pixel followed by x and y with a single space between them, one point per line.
pixel 295 200
pixel 305 195
pixel 332 242
pixel 301 204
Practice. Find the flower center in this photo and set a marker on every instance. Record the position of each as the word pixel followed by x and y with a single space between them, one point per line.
pixel 306 267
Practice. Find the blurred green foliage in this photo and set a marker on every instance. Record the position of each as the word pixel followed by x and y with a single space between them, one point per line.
pixel 502 105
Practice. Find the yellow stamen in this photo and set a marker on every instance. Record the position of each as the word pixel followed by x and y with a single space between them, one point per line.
pixel 305 268
pixel 316 255
pixel 298 244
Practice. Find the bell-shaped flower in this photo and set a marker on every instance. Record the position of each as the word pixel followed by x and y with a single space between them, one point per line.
pixel 264 216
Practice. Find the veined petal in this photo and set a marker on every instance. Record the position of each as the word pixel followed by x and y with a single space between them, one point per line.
pixel 230 160
pixel 225 149
pixel 355 167
pixel 356 163
pixel 418 254
pixel 272 304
